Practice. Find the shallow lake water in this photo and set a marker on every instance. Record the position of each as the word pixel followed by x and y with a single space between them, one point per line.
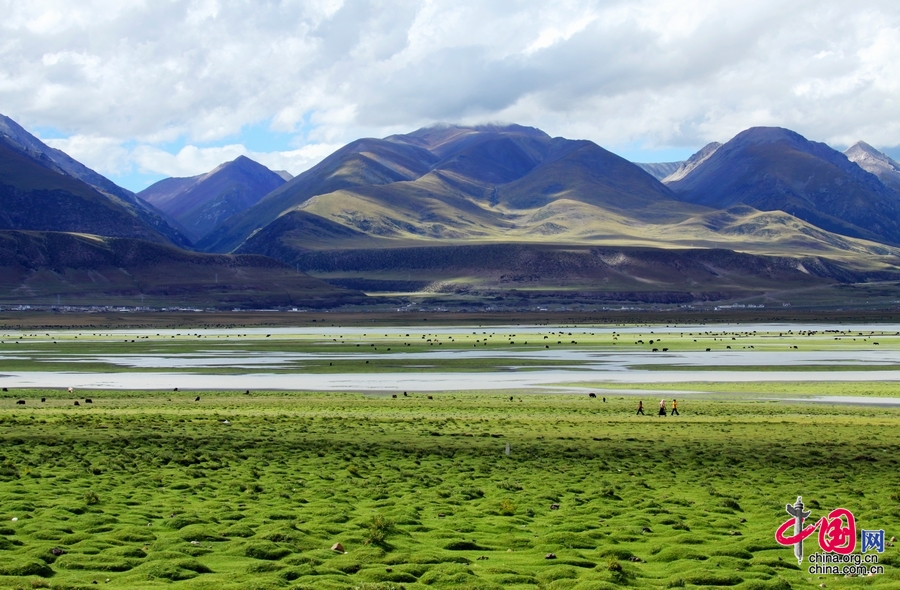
pixel 419 382
pixel 581 365
pixel 595 360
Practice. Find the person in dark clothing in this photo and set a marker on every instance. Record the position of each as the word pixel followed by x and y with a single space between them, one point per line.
pixel 662 407
pixel 640 407
pixel 675 407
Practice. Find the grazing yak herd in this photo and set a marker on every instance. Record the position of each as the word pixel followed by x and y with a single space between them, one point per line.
pixel 88 400
pixel 21 402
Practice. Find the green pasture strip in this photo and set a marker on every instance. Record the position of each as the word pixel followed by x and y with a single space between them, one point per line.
pixel 819 367
pixel 155 490
pixel 758 389
pixel 646 338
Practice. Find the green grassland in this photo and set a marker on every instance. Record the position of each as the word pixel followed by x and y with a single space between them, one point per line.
pixel 770 390
pixel 151 493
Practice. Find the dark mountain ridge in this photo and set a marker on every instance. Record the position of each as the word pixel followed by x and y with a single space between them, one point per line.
pixel 444 139
pixel 485 210
pixel 545 272
pixel 582 171
pixel 17 139
pixel 200 203
pixel 75 269
pixel 771 168
pixel 34 196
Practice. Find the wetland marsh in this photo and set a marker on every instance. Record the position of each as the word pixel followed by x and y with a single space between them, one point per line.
pixel 147 488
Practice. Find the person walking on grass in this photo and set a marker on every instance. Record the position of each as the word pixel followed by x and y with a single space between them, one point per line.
pixel 675 408
pixel 662 407
pixel 640 408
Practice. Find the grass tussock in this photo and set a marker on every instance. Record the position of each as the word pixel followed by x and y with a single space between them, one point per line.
pixel 590 496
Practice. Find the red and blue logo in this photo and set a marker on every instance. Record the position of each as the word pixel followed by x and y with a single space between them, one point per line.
pixel 837 535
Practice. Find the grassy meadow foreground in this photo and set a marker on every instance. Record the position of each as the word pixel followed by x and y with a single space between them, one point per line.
pixel 156 490
pixel 147 487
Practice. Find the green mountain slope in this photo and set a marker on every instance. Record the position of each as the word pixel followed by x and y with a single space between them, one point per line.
pixel 491 183
pixel 501 210
pixel 564 192
pixel 362 163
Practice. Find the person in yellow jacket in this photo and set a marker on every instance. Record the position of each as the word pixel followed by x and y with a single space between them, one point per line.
pixel 675 407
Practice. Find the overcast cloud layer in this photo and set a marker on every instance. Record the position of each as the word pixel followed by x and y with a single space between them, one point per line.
pixel 175 87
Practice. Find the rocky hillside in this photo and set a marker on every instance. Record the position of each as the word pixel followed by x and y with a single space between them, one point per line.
pixel 881 165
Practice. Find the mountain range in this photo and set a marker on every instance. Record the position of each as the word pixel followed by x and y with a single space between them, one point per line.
pixel 69 235
pixel 437 210
pixel 773 169
pixel 454 185
pixel 451 184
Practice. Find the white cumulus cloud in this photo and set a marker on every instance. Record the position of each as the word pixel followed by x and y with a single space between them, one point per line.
pixel 123 80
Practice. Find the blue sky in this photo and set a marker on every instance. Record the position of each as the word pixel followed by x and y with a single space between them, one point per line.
pixel 141 91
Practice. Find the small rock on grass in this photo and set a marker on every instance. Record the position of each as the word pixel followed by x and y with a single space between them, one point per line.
pixel 337 547
pixel 550 556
